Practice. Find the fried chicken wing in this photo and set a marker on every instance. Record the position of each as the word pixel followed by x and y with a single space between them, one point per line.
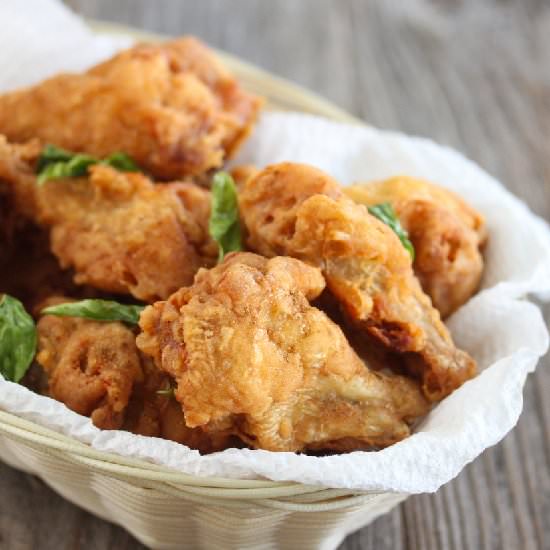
pixel 447 235
pixel 296 210
pixel 119 231
pixel 251 356
pixel 172 107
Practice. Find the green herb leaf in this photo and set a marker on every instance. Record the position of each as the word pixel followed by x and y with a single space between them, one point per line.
pixel 75 167
pixel 385 213
pixel 57 163
pixel 168 392
pixel 224 225
pixel 97 310
pixel 122 162
pixel 51 154
pixel 17 339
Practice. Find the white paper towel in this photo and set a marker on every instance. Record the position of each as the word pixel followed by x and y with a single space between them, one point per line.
pixel 39 38
pixel 499 327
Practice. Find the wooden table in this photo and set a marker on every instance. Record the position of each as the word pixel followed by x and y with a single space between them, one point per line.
pixel 471 74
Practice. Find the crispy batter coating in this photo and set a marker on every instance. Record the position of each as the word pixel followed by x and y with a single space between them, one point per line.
pixel 92 367
pixel 447 235
pixel 242 173
pixel 119 231
pixel 251 356
pixel 160 415
pixel 172 107
pixel 96 370
pixel 296 210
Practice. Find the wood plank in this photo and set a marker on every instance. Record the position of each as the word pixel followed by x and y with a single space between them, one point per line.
pixel 473 75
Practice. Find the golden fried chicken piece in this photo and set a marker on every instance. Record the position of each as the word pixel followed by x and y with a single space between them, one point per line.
pixel 251 356
pixel 119 231
pixel 92 367
pixel 172 107
pixel 447 235
pixel 297 210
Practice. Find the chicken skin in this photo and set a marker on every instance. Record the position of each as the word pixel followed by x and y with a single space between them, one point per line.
pixel 251 356
pixel 447 235
pixel 172 107
pixel 96 370
pixel 299 211
pixel 118 231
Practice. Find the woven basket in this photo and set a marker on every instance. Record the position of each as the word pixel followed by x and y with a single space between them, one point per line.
pixel 166 509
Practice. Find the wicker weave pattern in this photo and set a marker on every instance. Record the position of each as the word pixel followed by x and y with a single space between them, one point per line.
pixel 166 513
pixel 168 510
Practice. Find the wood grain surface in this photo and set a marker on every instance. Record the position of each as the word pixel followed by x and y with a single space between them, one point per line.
pixel 473 74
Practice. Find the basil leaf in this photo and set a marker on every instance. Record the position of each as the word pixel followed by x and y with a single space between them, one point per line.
pixel 57 163
pixel 224 225
pixel 97 310
pixel 168 392
pixel 51 154
pixel 385 213
pixel 17 339
pixel 73 168
pixel 122 162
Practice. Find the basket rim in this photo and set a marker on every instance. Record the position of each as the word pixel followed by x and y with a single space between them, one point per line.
pixel 281 95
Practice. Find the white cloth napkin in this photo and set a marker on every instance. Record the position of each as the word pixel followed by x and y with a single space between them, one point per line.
pixel 499 327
